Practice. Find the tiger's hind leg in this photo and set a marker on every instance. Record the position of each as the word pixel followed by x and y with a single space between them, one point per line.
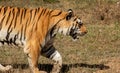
pixel 54 55
pixel 5 68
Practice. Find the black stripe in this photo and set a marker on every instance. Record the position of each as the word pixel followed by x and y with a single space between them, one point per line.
pixel 13 11
pixel 5 9
pixel 52 31
pixel 25 10
pixel 40 15
pixel 18 12
pixel 37 18
pixel 0 9
pixel 30 15
pixel 57 14
pixel 25 29
pixel 21 16
pixel 46 49
pixel 8 34
pixel 33 19
pixel 47 13
pixel 59 21
pixel 38 9
pixel 9 28
pixel 35 14
pixel 75 19
pixel 8 17
pixel 16 37
pixel 16 16
pixel 51 11
pixel 47 52
pixel 1 23
pixel 11 20
pixel 21 33
pixel 44 10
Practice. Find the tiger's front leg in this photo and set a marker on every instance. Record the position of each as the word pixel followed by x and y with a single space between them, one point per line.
pixel 33 53
pixel 58 62
pixel 54 55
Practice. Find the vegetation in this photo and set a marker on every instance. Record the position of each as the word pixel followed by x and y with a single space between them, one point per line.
pixel 96 52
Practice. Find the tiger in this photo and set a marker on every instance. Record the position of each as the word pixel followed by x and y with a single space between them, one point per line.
pixel 35 29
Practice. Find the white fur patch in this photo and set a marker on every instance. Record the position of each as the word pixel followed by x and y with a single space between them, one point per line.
pixel 79 20
pixel 57 57
pixel 63 30
pixel 3 34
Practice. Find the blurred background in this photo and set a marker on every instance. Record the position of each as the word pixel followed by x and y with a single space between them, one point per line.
pixel 91 11
pixel 96 52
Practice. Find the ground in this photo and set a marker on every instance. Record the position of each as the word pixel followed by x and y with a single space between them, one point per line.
pixel 96 52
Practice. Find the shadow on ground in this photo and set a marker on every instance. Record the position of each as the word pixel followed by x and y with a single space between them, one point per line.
pixel 65 67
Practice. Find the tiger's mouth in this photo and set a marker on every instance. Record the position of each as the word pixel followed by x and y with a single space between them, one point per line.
pixel 73 34
pixel 76 35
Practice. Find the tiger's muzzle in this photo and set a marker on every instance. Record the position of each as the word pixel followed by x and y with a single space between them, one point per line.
pixel 75 33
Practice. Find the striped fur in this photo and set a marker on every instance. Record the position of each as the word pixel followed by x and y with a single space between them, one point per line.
pixel 35 29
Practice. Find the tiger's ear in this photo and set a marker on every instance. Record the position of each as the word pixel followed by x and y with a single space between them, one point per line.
pixel 70 14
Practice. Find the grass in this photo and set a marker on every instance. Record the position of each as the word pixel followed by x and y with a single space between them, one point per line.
pixel 96 52
pixel 91 53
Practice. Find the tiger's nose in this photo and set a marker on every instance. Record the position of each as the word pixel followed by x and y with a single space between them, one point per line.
pixel 86 32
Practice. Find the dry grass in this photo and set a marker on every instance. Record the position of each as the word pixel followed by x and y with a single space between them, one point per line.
pixel 91 11
pixel 97 52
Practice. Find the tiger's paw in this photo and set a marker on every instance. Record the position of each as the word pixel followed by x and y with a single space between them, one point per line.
pixel 38 71
pixel 5 68
pixel 43 72
pixel 8 67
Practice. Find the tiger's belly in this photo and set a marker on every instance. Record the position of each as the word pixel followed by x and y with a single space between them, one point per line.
pixel 14 38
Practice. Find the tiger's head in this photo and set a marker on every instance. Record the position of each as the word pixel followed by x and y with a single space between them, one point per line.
pixel 77 28
pixel 69 24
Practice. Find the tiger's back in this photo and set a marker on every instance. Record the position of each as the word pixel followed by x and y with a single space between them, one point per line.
pixel 17 24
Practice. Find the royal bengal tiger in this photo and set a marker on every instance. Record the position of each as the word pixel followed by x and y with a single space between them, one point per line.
pixel 35 29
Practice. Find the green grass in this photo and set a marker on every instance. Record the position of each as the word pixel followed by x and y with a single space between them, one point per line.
pixel 102 42
pixel 89 54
